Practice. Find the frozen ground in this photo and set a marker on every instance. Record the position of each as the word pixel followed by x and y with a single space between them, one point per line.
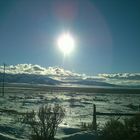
pixel 78 106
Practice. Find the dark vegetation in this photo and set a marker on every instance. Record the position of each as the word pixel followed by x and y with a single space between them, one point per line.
pixel 127 129
pixel 44 123
pixel 114 129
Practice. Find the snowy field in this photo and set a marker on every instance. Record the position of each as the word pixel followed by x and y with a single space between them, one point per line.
pixel 78 106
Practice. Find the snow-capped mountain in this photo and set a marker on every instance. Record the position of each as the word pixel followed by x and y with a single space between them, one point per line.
pixel 38 70
pixel 29 73
pixel 29 78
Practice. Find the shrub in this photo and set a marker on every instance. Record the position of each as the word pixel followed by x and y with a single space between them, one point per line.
pixel 44 123
pixel 113 130
pixel 132 127
pixel 128 129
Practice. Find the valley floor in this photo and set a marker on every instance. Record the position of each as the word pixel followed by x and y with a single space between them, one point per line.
pixel 78 106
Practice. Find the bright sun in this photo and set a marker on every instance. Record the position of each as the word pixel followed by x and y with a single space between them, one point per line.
pixel 66 43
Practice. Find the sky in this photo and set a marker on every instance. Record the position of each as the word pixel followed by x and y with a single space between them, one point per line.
pixel 106 34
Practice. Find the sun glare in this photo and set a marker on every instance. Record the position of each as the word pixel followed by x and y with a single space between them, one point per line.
pixel 66 43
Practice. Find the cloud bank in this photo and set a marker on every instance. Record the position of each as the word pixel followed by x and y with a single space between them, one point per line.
pixel 121 76
pixel 126 79
pixel 38 70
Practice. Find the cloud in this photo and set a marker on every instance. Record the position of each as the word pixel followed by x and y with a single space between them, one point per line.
pixel 121 76
pixel 38 70
pixel 53 72
pixel 58 73
pixel 123 79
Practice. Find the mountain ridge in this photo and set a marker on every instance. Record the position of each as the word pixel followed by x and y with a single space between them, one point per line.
pixel 30 73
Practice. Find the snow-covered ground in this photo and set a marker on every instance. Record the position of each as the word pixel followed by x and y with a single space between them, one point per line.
pixel 78 106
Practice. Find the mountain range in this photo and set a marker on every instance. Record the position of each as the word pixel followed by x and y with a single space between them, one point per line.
pixel 35 74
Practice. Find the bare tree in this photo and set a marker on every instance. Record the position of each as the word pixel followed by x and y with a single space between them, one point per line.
pixel 44 123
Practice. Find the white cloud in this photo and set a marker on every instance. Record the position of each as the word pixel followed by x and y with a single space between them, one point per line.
pixel 121 76
pixel 66 75
pixel 126 79
pixel 36 69
pixel 53 72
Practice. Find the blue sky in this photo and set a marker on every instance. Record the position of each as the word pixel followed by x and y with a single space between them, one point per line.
pixel 106 32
